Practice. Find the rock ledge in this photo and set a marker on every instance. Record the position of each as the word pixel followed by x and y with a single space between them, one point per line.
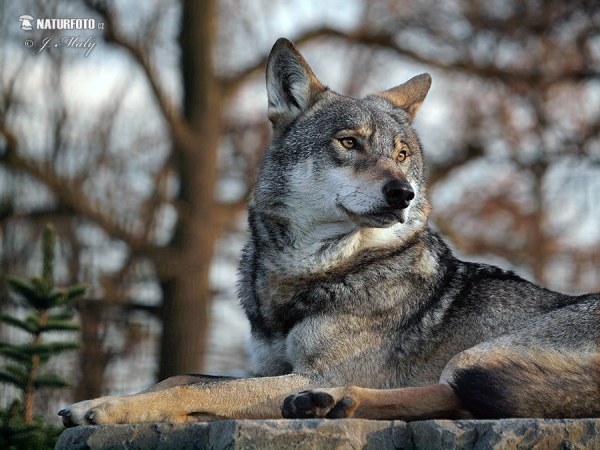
pixel 339 434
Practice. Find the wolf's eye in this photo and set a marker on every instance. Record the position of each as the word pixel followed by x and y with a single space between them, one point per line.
pixel 402 151
pixel 401 156
pixel 348 142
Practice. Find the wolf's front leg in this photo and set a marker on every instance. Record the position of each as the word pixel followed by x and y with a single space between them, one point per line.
pixel 436 401
pixel 209 399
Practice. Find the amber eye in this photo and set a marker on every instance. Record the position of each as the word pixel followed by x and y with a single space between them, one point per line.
pixel 401 156
pixel 348 142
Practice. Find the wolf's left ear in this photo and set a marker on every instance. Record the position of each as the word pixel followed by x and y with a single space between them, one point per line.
pixel 410 95
pixel 291 85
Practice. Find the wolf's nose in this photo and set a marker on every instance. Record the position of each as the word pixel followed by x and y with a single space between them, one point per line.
pixel 398 194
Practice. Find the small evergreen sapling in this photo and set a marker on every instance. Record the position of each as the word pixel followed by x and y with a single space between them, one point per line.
pixel 25 361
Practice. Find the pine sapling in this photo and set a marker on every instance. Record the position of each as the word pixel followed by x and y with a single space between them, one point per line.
pixel 49 314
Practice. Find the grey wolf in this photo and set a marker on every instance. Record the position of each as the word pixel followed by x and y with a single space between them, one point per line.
pixel 357 307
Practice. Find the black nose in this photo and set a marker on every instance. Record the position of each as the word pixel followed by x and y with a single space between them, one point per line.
pixel 398 194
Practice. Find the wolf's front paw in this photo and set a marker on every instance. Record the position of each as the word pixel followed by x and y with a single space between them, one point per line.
pixel 317 404
pixel 83 413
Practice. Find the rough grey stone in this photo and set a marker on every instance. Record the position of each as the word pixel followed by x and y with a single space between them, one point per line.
pixel 339 434
pixel 505 434
pixel 301 434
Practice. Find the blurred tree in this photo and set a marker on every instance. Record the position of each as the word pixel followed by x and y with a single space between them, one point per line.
pixel 140 194
pixel 21 426
pixel 40 295
pixel 182 262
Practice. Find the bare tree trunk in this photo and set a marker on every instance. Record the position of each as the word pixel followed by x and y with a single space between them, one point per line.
pixel 94 358
pixel 186 289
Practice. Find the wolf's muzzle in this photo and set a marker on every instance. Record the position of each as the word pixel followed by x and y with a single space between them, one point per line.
pixel 398 193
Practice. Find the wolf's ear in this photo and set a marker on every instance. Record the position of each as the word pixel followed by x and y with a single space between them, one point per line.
pixel 291 85
pixel 410 95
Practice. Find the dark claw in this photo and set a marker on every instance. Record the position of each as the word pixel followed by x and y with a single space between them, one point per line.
pixel 66 418
pixel 322 399
pixel 289 409
pixel 304 404
pixel 90 418
pixel 340 410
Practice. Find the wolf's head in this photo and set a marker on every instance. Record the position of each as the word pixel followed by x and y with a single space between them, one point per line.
pixel 335 163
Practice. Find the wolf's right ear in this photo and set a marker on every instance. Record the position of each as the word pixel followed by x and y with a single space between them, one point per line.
pixel 291 85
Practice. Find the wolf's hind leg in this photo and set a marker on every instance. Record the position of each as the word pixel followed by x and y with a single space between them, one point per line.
pixel 418 403
pixel 516 382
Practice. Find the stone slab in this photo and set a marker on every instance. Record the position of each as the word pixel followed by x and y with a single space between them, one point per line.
pixel 339 434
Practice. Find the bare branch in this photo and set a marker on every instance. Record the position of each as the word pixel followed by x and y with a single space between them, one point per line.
pixel 388 41
pixel 169 110
pixel 63 189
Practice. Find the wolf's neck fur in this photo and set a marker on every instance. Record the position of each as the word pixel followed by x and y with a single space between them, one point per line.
pixel 315 248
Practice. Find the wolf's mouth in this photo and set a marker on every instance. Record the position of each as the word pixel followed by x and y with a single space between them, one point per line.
pixel 389 218
pixel 382 218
